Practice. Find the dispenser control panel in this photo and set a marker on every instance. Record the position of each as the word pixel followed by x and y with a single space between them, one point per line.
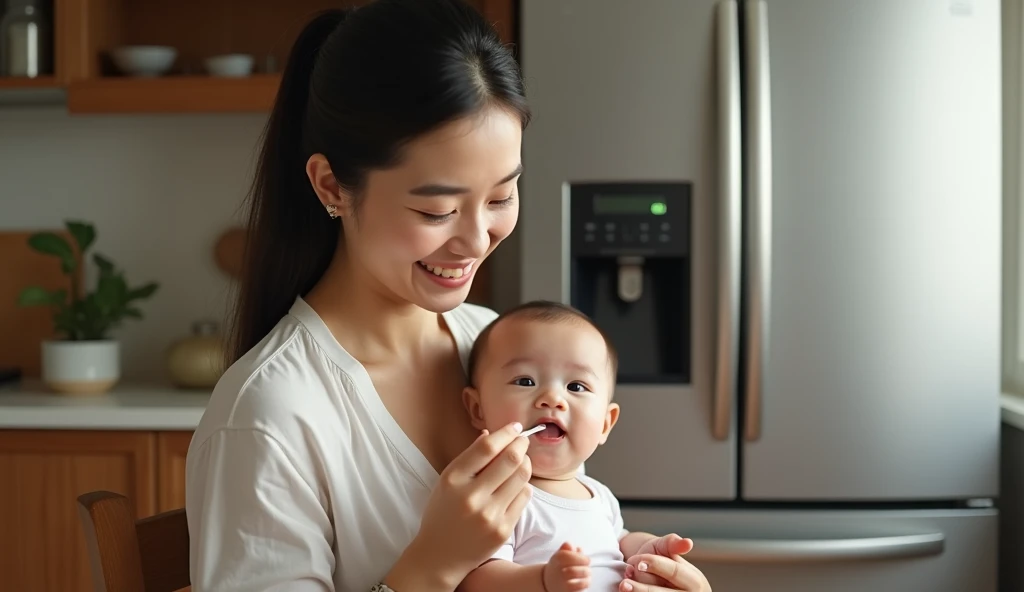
pixel 647 219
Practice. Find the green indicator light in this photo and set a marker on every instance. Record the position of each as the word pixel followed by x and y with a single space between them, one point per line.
pixel 658 208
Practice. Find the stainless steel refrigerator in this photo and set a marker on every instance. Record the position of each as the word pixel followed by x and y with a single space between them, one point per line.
pixel 828 419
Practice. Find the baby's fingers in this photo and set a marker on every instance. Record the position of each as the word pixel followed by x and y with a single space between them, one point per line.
pixel 575 572
pixel 570 558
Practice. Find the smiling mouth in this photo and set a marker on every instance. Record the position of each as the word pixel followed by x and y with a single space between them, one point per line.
pixel 447 272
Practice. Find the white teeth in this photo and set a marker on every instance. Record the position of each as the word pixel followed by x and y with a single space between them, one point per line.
pixel 447 272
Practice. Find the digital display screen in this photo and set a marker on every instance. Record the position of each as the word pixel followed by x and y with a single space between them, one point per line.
pixel 630 204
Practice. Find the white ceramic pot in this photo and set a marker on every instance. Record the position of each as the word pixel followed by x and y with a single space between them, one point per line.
pixel 81 367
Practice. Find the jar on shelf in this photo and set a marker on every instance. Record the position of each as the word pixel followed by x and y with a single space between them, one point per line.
pixel 197 361
pixel 26 40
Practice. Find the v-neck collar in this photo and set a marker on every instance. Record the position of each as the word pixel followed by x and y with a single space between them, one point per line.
pixel 366 391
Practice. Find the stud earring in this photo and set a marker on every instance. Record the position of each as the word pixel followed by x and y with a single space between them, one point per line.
pixel 332 210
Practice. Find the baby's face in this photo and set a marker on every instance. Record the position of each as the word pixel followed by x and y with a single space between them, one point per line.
pixel 557 373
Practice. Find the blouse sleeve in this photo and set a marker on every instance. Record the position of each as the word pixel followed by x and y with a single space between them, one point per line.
pixel 255 520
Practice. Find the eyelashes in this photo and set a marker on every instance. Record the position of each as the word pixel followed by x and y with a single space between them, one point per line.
pixel 441 218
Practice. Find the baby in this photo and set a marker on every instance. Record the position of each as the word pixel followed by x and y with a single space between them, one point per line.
pixel 547 363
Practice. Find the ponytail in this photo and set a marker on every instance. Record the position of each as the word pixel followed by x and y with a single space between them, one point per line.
pixel 357 93
pixel 283 209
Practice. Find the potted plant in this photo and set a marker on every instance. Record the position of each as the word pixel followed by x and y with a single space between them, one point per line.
pixel 85 359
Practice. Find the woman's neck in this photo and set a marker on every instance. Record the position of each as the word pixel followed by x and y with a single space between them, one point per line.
pixel 369 321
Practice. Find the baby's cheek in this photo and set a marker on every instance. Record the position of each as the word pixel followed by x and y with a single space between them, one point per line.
pixel 498 413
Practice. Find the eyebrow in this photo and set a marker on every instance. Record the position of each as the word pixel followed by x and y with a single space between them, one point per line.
pixel 578 367
pixel 434 190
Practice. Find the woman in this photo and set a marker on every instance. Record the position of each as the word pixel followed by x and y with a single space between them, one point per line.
pixel 335 453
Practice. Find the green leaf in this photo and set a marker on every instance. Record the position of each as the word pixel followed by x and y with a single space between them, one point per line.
pixel 133 313
pixel 84 234
pixel 49 243
pixel 105 265
pixel 143 292
pixel 37 296
pixel 111 292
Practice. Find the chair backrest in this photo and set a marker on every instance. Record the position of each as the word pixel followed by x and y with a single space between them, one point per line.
pixel 129 555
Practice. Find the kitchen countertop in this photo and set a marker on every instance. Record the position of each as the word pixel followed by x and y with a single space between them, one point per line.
pixel 126 407
pixel 162 407
pixel 1013 410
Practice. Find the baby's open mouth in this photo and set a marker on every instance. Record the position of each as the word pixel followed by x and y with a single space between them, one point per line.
pixel 546 431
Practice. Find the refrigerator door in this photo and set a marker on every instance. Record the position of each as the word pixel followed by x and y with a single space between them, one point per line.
pixel 873 269
pixel 631 93
pixel 837 551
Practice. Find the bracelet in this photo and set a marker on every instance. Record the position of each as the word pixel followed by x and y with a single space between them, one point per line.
pixel 381 587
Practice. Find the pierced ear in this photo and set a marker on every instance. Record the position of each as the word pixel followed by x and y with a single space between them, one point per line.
pixel 333 198
pixel 471 400
pixel 610 417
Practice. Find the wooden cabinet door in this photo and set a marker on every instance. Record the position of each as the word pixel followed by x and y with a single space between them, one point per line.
pixel 171 450
pixel 43 472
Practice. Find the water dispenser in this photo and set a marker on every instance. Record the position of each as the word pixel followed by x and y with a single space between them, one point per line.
pixel 629 270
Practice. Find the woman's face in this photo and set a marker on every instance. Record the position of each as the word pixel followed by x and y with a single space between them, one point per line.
pixel 422 229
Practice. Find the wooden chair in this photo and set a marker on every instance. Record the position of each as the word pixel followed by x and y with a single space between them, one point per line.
pixel 129 555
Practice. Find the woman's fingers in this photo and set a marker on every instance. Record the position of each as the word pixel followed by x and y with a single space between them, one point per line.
pixel 480 455
pixel 677 573
pixel 515 509
pixel 514 482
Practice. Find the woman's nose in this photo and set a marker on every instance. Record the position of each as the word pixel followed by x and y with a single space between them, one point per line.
pixel 473 239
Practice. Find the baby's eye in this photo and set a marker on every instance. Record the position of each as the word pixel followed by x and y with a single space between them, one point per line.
pixel 524 381
pixel 577 387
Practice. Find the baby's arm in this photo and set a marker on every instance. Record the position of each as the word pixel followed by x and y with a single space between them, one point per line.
pixel 499 575
pixel 568 570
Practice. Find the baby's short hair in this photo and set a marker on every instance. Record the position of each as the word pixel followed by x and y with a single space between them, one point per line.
pixel 545 311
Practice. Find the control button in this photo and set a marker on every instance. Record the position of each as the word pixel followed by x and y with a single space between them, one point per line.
pixel 644 227
pixel 590 227
pixel 609 226
pixel 664 237
pixel 609 237
pixel 588 237
pixel 644 238
pixel 665 227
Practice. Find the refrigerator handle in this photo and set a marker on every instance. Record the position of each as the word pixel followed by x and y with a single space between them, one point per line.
pixel 759 193
pixel 815 550
pixel 727 354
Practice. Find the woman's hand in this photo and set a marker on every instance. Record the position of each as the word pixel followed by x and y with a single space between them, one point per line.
pixel 470 514
pixel 658 566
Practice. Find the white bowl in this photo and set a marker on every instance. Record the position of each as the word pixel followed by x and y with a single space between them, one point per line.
pixel 235 65
pixel 144 60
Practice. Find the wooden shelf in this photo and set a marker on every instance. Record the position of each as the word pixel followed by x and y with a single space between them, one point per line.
pixel 16 83
pixel 173 94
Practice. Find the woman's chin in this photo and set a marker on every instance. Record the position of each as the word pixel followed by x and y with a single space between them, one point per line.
pixel 439 301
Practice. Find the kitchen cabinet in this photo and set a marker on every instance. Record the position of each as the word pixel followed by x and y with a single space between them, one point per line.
pixel 44 471
pixel 85 32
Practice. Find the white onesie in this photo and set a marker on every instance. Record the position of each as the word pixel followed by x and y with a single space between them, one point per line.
pixel 593 524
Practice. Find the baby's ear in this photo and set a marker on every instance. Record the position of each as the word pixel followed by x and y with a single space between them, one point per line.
pixel 610 417
pixel 471 399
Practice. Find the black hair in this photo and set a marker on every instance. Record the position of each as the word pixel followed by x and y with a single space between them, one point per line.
pixel 544 311
pixel 358 85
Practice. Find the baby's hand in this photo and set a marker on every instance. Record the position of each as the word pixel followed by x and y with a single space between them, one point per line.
pixel 568 570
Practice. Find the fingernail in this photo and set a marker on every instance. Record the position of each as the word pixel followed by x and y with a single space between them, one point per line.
pixel 517 427
pixel 627 586
pixel 642 566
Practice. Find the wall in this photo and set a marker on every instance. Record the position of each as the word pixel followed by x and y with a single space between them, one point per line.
pixel 159 189
pixel 1011 502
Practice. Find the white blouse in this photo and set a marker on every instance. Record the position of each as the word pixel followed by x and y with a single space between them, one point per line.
pixel 296 445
